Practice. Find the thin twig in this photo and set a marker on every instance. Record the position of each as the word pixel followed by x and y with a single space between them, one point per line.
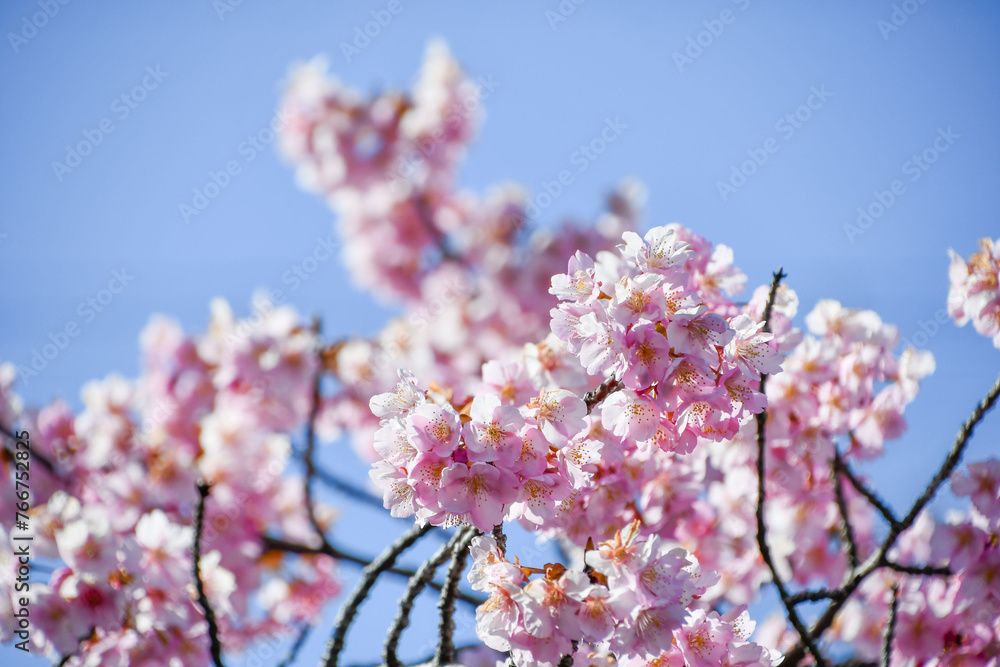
pixel 845 519
pixel 810 596
pixel 369 576
pixel 347 488
pixel 213 628
pixel 608 387
pixel 920 570
pixel 79 645
pixel 277 544
pixel 446 629
pixel 879 559
pixel 765 549
pixel 500 538
pixel 35 454
pixel 417 583
pixel 299 643
pixel 869 495
pixel 426 217
pixel 890 628
pixel 307 457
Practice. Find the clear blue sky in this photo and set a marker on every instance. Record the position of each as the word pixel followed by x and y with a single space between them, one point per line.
pixel 885 95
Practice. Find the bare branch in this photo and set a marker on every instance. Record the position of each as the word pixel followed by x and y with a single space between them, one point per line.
pixel 810 596
pixel 608 387
pixel 307 457
pixel 369 576
pixel 920 570
pixel 880 559
pixel 347 488
pixel 765 550
pixel 845 519
pixel 869 495
pixel 213 628
pixel 890 628
pixel 278 544
pixel 446 629
pixel 296 647
pixel 35 454
pixel 501 539
pixel 417 583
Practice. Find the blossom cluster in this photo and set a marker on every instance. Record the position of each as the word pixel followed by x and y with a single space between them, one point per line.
pixel 631 599
pixel 522 443
pixel 475 265
pixel 641 318
pixel 114 516
pixel 974 293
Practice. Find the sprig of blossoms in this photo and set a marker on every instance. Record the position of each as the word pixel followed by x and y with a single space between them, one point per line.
pixel 974 293
pixel 632 599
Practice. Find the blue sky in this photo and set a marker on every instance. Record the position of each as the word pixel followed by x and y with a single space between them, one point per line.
pixel 838 97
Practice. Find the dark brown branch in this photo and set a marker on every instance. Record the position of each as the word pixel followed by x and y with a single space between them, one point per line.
pixel 417 583
pixel 296 647
pixel 501 538
pixel 765 549
pixel 592 398
pixel 35 454
pixel 446 629
pixel 79 646
pixel 879 559
pixel 890 628
pixel 213 628
pixel 810 596
pixel 369 576
pixel 427 220
pixel 847 530
pixel 346 488
pixel 278 544
pixel 869 495
pixel 920 570
pixel 307 457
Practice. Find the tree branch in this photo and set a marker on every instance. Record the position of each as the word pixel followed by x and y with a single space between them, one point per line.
pixel 369 576
pixel 765 550
pixel 417 583
pixel 920 570
pixel 869 495
pixel 307 456
pixel 592 398
pixel 890 628
pixel 879 559
pixel 446 629
pixel 296 647
pixel 35 454
pixel 213 629
pixel 845 520
pixel 278 544
pixel 347 488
